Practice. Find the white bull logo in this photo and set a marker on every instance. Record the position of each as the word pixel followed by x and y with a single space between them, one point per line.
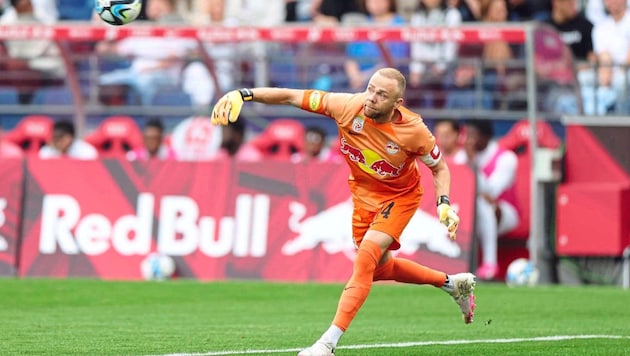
pixel 332 228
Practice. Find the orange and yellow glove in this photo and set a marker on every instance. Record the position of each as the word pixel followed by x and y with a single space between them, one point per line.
pixel 229 106
pixel 448 216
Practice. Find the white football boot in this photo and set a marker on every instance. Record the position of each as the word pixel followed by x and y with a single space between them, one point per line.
pixel 319 348
pixel 462 293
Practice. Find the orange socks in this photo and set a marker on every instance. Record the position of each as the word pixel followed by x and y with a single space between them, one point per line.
pixel 406 271
pixel 359 285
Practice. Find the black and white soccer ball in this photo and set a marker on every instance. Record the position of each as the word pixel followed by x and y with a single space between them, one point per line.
pixel 118 12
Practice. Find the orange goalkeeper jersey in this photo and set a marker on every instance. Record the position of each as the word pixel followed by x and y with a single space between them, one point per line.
pixel 382 157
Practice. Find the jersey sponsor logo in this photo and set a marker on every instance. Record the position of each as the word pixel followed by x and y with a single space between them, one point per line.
pixel 370 161
pixel 314 100
pixel 357 124
pixel 392 148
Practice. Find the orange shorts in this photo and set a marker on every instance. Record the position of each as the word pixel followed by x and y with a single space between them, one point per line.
pixel 391 219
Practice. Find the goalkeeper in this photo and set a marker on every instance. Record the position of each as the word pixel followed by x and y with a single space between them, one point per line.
pixel 381 141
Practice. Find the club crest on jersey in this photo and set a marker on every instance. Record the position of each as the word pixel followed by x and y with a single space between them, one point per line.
pixel 392 148
pixel 357 124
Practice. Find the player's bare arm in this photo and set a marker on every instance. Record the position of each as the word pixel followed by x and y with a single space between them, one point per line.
pixel 229 106
pixel 278 96
pixel 441 178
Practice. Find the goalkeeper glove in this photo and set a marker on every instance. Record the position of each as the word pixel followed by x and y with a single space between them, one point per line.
pixel 229 106
pixel 448 216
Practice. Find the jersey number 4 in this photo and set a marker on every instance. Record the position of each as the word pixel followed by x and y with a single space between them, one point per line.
pixel 387 210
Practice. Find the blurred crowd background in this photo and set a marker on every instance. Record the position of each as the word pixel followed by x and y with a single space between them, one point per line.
pixel 161 86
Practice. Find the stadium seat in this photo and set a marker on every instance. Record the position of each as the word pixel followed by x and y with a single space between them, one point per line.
pixel 172 98
pixel 281 139
pixel 31 133
pixel 9 96
pixel 115 136
pixel 75 10
pixel 53 96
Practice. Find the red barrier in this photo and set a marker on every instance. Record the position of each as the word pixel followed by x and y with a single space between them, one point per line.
pixel 267 220
pixel 11 181
pixel 83 32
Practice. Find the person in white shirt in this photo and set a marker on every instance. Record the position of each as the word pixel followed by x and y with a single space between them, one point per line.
pixel 65 144
pixel 602 87
pixel 496 208
pixel 156 62
pixel 430 61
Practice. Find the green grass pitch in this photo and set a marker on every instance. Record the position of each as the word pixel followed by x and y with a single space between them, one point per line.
pixel 91 317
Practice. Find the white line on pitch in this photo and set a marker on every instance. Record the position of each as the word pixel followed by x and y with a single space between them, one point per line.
pixel 411 344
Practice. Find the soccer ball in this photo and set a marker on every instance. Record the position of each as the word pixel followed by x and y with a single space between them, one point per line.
pixel 118 12
pixel 521 272
pixel 157 267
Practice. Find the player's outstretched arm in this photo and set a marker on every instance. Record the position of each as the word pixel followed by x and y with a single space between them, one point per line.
pixel 228 108
pixel 442 181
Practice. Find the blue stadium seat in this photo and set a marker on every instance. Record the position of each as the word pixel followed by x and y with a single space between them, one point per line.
pixel 8 96
pixel 75 10
pixel 55 96
pixel 172 98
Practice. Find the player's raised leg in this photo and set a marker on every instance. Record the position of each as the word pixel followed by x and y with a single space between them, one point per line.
pixel 461 287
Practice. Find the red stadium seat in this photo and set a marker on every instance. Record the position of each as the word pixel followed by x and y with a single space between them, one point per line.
pixel 281 139
pixel 31 133
pixel 115 136
pixel 517 139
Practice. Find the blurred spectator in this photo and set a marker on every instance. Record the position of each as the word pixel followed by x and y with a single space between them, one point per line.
pixel 496 56
pixel 611 43
pixel 298 10
pixel 470 10
pixel 32 64
pixel 154 147
pixel 574 28
pixel 365 58
pixel 595 11
pixel 44 11
pixel 196 139
pixel 64 143
pixel 199 80
pixel 430 60
pixel 157 62
pixel 496 211
pixel 447 135
pixel 555 69
pixel 529 10
pixel 9 149
pixel 332 11
pixel 234 145
pixel 266 13
pixel 314 146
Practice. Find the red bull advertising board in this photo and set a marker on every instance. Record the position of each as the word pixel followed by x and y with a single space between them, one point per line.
pixel 218 220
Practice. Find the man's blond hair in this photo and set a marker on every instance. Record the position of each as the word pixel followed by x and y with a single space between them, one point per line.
pixel 395 74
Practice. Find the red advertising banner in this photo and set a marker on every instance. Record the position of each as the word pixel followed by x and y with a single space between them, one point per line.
pixel 218 220
pixel 11 181
pixel 316 34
